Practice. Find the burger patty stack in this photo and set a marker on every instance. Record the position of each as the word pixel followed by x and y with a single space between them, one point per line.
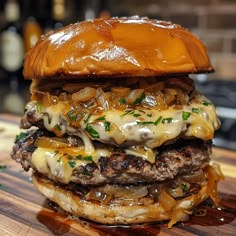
pixel 116 131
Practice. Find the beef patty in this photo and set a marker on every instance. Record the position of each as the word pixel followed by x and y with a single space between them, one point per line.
pixel 179 158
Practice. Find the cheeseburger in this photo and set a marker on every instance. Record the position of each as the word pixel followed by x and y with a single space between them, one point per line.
pixel 116 131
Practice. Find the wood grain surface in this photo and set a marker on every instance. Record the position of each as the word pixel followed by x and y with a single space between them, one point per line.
pixel 25 212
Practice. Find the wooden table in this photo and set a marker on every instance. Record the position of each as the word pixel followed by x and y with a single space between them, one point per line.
pixel 23 211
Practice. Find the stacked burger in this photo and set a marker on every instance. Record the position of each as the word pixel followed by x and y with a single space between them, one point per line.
pixel 116 131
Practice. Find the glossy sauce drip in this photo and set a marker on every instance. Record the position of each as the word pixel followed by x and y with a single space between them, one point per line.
pixel 60 224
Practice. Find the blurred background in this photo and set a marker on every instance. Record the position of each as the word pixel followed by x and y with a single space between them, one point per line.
pixel 22 22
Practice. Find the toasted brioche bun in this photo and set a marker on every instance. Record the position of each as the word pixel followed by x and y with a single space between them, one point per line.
pixel 117 214
pixel 117 47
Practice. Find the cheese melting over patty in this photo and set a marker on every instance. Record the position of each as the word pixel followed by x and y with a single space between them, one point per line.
pixel 146 127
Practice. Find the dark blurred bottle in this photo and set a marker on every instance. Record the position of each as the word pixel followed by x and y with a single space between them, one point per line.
pixel 12 54
pixel 31 32
pixel 31 28
pixel 12 47
pixel 58 16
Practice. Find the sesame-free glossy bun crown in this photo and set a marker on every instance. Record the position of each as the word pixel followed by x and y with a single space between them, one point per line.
pixel 117 47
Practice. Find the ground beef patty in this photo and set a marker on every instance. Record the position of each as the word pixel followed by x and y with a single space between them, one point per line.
pixel 181 157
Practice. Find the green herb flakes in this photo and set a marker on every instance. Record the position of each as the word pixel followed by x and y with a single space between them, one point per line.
pixel 166 120
pixel 139 100
pixel 20 136
pixel 88 158
pixel 206 103
pixel 184 187
pixel 196 110
pixel 72 163
pixel 84 173
pixel 128 112
pixel 58 127
pixel 122 101
pixel 158 120
pixel 101 118
pixel 87 119
pixel 107 126
pixel 72 116
pixel 136 115
pixel 185 115
pixel 2 167
pixel 145 122
pixel 93 133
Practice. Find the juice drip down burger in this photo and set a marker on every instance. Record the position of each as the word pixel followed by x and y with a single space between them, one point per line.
pixel 116 131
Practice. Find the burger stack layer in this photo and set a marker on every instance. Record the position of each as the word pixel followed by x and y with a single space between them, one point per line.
pixel 116 131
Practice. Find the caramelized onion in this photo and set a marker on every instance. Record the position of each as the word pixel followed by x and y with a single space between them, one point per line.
pixel 120 91
pixel 84 94
pixel 166 201
pixel 214 175
pixel 117 134
pixel 179 215
pixel 155 87
pixel 102 98
pixel 196 177
pixel 134 95
pixel 47 142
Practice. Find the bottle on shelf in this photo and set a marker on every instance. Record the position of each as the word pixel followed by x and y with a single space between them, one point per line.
pixel 58 16
pixel 12 48
pixel 31 29
pixel 12 54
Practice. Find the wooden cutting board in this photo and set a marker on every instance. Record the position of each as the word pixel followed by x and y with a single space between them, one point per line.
pixel 25 212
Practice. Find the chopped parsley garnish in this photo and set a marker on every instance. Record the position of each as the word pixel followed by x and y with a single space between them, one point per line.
pixel 93 133
pixel 158 120
pixel 150 122
pixel 72 116
pixel 149 115
pixel 87 119
pixel 3 167
pixel 21 136
pixel 145 122
pixel 101 118
pixel 55 152
pixel 79 157
pixel 184 187
pixel 139 100
pixel 206 103
pixel 122 101
pixel 141 111
pixel 72 163
pixel 84 173
pixel 136 115
pixel 107 125
pixel 185 115
pixel 196 110
pixel 128 112
pixel 58 127
pixel 88 158
pixel 166 120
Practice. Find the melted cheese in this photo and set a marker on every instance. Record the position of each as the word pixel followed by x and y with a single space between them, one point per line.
pixel 138 127
pixel 59 165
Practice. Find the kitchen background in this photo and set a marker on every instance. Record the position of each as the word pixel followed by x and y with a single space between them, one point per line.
pixel 213 21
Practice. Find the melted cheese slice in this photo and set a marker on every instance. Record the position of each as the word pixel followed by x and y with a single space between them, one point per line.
pixel 60 164
pixel 147 127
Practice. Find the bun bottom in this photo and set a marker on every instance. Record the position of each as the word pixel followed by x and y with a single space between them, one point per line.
pixel 115 214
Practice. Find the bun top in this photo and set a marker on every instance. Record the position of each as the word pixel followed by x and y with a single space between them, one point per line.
pixel 117 47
